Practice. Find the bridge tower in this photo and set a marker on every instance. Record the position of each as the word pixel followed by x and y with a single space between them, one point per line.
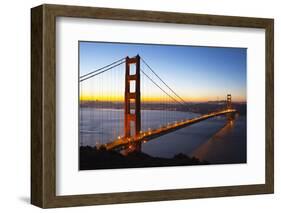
pixel 229 116
pixel 132 99
pixel 228 101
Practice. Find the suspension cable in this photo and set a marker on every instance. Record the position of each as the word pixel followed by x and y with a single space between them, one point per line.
pixel 95 74
pixel 161 88
pixel 162 81
pixel 92 72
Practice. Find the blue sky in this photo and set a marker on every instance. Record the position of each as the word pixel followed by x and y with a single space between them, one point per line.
pixel 196 73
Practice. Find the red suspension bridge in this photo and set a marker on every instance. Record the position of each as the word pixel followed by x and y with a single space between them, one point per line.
pixel 137 127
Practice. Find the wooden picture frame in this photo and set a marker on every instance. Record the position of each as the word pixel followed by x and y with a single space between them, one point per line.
pixel 43 105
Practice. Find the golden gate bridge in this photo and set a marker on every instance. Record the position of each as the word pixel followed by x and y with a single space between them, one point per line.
pixel 136 126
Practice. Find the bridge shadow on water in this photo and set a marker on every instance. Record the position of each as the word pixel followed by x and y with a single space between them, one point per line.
pixel 224 147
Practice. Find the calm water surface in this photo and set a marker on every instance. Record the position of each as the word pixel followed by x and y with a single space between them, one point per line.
pixel 215 140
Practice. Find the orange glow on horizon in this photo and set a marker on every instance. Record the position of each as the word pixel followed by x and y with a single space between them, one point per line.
pixel 111 98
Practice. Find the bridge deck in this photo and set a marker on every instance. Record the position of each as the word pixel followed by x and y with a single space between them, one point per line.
pixel 151 134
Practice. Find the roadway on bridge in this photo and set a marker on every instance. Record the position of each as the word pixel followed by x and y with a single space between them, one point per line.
pixel 152 134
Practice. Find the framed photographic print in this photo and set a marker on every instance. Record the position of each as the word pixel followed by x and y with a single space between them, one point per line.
pixel 136 106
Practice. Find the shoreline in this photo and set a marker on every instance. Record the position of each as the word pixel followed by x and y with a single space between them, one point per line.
pixel 90 158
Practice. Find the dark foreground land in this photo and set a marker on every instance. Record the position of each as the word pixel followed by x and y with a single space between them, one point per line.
pixel 91 158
